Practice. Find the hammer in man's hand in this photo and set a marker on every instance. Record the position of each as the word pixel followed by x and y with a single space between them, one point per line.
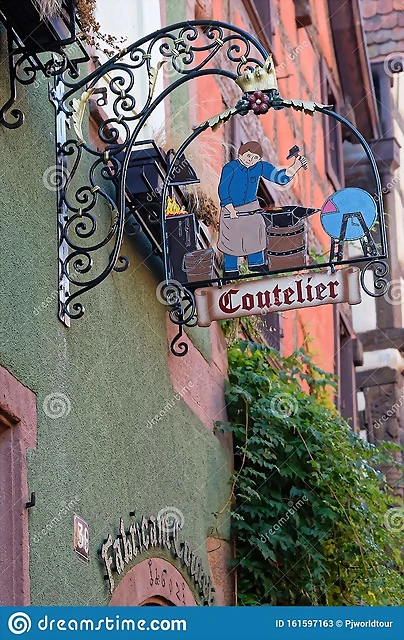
pixel 294 153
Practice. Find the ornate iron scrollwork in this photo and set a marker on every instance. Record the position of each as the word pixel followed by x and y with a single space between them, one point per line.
pixel 182 312
pixel 188 48
pixel 89 240
pixel 25 64
pixel 380 269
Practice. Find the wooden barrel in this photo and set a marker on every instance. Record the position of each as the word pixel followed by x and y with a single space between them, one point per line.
pixel 198 265
pixel 287 247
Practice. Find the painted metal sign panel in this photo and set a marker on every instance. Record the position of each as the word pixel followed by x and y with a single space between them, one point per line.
pixel 261 296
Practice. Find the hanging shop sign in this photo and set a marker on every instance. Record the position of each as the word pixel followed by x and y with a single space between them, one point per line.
pixel 149 532
pixel 257 297
pixel 118 183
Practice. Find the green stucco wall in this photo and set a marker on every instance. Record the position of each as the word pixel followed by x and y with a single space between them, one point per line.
pixel 111 365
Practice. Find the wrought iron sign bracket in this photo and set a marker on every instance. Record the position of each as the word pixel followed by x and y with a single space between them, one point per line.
pixel 80 216
pixel 31 502
pixel 131 185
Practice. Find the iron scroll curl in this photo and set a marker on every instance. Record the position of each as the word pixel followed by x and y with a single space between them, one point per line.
pixel 380 270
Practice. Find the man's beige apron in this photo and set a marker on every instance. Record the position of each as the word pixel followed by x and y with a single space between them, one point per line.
pixel 243 235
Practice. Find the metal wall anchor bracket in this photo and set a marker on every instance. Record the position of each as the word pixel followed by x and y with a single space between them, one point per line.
pixel 32 501
pixel 25 62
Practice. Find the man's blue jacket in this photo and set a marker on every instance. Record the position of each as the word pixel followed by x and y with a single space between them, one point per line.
pixel 239 184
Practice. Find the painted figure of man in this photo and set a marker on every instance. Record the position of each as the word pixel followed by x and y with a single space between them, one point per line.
pixel 242 227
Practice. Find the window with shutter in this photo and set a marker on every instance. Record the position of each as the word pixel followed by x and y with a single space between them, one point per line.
pixel 345 370
pixel 264 11
pixel 17 433
pixel 332 131
pixel 303 13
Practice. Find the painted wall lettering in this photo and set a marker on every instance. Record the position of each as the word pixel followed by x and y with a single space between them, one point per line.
pixel 154 532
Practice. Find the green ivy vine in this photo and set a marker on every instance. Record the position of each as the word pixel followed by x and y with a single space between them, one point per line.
pixel 313 519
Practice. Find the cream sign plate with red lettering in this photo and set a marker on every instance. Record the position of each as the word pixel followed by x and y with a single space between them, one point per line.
pixel 255 297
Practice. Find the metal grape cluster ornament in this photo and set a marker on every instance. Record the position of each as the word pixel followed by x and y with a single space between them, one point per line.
pixel 260 260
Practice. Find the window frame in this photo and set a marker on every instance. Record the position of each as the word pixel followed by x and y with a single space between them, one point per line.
pixel 344 368
pixel 327 86
pixel 18 432
pixel 264 33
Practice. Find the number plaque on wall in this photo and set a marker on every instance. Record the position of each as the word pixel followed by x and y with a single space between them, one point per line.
pixel 81 538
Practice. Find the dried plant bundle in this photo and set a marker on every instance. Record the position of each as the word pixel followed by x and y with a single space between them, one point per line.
pixel 48 8
pixel 86 10
pixel 86 14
